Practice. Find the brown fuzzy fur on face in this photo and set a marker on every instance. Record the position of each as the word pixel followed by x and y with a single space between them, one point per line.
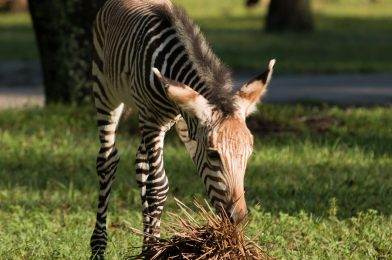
pixel 234 142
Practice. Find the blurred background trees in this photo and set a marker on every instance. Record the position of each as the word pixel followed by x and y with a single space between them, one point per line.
pixel 342 30
pixel 63 32
pixel 13 5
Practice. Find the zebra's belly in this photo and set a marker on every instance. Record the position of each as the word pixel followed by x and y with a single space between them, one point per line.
pixel 121 89
pixel 127 97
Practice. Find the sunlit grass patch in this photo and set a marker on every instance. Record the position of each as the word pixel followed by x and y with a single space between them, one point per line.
pixel 312 193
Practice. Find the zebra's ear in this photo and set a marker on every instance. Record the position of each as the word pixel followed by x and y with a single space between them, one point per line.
pixel 186 98
pixel 249 94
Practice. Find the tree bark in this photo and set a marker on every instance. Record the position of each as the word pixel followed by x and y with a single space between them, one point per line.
pixel 290 15
pixel 63 32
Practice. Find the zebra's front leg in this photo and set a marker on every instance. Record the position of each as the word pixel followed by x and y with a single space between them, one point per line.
pixel 107 161
pixel 152 181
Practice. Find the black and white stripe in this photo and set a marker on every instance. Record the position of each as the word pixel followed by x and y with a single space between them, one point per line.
pixel 130 38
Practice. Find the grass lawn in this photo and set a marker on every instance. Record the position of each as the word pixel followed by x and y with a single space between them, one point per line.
pixel 319 185
pixel 351 36
pixel 17 42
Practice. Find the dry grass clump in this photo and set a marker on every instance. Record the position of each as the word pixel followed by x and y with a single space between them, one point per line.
pixel 216 238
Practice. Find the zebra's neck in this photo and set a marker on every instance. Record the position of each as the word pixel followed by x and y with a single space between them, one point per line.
pixel 184 55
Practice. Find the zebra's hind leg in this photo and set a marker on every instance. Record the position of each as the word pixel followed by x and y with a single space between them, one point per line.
pixel 152 181
pixel 107 161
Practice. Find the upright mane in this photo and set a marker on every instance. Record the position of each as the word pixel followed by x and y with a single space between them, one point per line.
pixel 215 74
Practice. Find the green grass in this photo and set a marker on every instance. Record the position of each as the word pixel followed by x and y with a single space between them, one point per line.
pixel 17 41
pixel 351 36
pixel 318 184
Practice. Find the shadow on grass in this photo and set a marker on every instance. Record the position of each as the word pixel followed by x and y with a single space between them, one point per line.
pixel 53 151
pixel 286 187
pixel 17 42
pixel 338 45
pixel 278 185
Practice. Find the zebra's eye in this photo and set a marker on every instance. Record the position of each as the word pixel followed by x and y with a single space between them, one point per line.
pixel 213 154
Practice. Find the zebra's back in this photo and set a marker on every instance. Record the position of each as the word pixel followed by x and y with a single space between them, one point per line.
pixel 132 37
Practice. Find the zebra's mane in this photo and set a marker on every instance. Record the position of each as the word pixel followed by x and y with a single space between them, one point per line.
pixel 215 74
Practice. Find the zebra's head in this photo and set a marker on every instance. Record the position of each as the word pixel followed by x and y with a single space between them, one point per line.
pixel 223 143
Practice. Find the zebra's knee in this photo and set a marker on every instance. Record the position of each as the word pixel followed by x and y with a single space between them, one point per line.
pixel 107 160
pixel 156 195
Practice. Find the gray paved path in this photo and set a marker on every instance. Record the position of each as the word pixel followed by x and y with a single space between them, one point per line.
pixel 337 89
pixel 14 97
pixel 21 85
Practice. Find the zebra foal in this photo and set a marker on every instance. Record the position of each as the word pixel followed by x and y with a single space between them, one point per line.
pixel 149 55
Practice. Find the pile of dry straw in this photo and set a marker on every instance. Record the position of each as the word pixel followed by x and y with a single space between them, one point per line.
pixel 216 238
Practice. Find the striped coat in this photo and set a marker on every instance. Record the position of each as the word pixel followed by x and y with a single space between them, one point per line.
pixel 150 55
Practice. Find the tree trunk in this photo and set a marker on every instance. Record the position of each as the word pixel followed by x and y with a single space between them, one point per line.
pixel 63 31
pixel 290 15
